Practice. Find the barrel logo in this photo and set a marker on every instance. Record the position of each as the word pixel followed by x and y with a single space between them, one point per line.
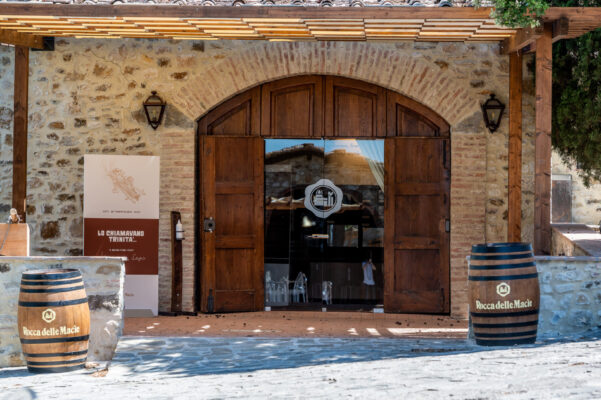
pixel 48 315
pixel 503 289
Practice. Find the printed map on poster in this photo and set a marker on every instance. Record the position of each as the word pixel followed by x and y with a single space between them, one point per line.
pixel 121 210
pixel 121 186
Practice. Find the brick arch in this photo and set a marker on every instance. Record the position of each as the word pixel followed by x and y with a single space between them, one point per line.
pixel 415 77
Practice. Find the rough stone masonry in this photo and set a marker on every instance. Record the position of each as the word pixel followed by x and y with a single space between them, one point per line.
pixel 86 97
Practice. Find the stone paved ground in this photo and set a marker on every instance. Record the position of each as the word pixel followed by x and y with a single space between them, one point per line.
pixel 328 368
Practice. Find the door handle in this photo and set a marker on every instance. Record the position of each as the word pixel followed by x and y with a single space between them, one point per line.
pixel 209 224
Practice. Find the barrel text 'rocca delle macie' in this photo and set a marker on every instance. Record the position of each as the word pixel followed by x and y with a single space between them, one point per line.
pixel 504 305
pixel 62 330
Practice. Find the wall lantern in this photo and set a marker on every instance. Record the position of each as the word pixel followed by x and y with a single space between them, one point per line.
pixel 154 107
pixel 493 112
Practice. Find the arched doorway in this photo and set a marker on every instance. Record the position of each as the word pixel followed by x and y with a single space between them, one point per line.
pixel 231 187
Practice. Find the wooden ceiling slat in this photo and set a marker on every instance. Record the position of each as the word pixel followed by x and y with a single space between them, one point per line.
pixel 271 23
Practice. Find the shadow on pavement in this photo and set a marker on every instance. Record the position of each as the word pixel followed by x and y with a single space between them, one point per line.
pixel 206 356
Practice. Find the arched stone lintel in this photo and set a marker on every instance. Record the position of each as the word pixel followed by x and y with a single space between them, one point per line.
pixel 402 72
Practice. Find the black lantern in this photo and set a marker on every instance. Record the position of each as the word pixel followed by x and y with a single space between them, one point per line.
pixel 493 111
pixel 154 107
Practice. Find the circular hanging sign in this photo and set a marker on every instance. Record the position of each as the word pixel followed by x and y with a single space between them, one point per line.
pixel 323 198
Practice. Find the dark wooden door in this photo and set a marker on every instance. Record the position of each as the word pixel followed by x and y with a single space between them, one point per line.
pixel 416 241
pixel 239 116
pixel 232 194
pixel 292 107
pixel 354 108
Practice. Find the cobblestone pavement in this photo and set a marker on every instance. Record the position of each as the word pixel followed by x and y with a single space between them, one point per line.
pixel 328 368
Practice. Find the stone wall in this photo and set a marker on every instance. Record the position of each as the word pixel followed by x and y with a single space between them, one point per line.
pixel 7 73
pixel 103 279
pixel 570 300
pixel 586 202
pixel 86 97
pixel 562 246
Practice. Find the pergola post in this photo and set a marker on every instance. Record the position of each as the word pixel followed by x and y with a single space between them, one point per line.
pixel 542 183
pixel 514 209
pixel 21 87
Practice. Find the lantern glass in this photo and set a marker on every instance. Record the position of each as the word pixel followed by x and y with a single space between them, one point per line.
pixel 154 107
pixel 493 112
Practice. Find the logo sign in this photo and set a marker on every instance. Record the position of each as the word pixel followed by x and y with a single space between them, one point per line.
pixel 48 315
pixel 503 289
pixel 323 198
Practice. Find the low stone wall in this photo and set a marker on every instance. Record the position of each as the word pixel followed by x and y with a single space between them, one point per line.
pixel 103 279
pixel 575 240
pixel 570 300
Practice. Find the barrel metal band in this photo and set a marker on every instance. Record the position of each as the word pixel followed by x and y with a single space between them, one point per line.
pixel 54 369
pixel 57 362
pixel 47 277
pixel 53 283
pixel 508 325
pixel 505 335
pixel 501 266
pixel 67 354
pixel 56 340
pixel 52 303
pixel 60 290
pixel 509 342
pixel 504 257
pixel 506 314
pixel 502 277
pixel 501 248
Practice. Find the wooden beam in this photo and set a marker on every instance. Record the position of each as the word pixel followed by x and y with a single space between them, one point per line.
pixel 21 88
pixel 542 168
pixel 514 219
pixel 561 29
pixel 522 38
pixel 21 39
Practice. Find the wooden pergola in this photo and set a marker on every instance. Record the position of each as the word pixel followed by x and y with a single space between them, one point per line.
pixel 26 25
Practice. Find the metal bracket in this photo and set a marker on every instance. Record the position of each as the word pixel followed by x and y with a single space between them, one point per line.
pixel 447 225
pixel 48 42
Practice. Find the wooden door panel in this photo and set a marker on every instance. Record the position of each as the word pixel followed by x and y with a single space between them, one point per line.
pixel 240 116
pixel 411 213
pixel 408 118
pixel 292 107
pixel 235 269
pixel 354 108
pixel 417 270
pixel 416 244
pixel 230 163
pixel 232 194
pixel 233 215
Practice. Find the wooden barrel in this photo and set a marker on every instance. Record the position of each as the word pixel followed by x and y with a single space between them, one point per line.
pixel 53 320
pixel 504 294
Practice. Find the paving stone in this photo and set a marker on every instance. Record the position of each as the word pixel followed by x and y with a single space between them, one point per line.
pixel 325 368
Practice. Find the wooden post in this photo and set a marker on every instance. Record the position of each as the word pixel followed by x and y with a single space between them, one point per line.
pixel 514 218
pixel 21 86
pixel 542 183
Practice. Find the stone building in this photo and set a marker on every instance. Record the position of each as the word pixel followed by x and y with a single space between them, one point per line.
pixel 86 95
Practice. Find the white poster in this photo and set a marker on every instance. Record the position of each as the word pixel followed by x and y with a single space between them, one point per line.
pixel 121 218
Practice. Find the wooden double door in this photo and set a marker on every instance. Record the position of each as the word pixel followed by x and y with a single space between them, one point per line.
pixel 231 186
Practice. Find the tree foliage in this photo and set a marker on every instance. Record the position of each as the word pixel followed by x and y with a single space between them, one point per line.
pixel 576 85
pixel 517 13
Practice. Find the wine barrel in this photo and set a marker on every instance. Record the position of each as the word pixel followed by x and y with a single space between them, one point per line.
pixel 504 294
pixel 53 320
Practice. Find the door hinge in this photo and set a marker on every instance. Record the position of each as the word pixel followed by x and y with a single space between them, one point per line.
pixel 447 225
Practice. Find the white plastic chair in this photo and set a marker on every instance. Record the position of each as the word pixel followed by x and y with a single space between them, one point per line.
pixel 326 292
pixel 300 288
